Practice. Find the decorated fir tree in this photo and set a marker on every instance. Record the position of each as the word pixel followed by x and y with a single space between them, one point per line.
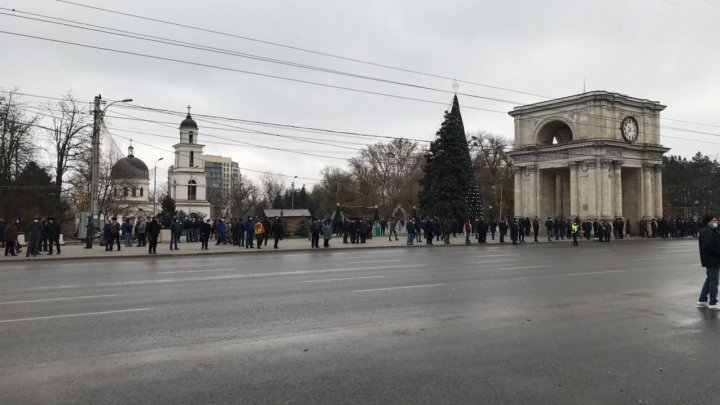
pixel 448 170
pixel 473 203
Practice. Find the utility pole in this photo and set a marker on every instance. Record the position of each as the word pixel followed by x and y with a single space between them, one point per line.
pixel 155 188
pixel 94 169
pixel 292 198
pixel 98 114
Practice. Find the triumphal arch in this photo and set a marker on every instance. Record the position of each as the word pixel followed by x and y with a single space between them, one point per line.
pixel 592 155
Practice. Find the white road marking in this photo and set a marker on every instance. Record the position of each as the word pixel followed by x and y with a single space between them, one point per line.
pixel 74 315
pixel 400 288
pixel 341 279
pixel 593 272
pixel 526 267
pixel 374 261
pixel 210 278
pixel 648 258
pixel 58 299
pixel 194 271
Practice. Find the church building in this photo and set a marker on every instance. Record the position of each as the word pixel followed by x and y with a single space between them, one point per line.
pixel 186 178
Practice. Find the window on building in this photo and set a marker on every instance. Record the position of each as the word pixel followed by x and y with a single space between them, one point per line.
pixel 141 191
pixel 192 159
pixel 192 135
pixel 125 191
pixel 192 190
pixel 134 192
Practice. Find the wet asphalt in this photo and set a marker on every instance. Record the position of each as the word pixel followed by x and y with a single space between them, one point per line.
pixel 602 323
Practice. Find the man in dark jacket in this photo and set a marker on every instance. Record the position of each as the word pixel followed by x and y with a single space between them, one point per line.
pixel 153 231
pixel 277 231
pixel 34 234
pixel 205 230
pixel 709 241
pixel 315 229
pixel 53 231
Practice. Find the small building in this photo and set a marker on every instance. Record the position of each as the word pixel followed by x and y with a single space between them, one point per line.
pixel 291 218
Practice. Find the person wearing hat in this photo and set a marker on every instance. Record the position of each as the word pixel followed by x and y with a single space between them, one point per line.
pixel 709 241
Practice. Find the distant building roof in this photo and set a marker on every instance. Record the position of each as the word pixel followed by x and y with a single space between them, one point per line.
pixel 287 213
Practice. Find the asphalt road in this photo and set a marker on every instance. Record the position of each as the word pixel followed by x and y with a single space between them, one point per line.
pixel 602 323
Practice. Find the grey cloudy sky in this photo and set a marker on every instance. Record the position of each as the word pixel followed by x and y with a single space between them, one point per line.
pixel 664 50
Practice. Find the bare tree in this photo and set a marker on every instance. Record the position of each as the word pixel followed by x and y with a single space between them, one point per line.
pixel 272 185
pixel 492 168
pixel 384 170
pixel 17 148
pixel 70 134
pixel 246 197
pixel 16 129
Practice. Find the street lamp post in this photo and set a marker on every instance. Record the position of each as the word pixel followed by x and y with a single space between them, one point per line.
pixel 292 197
pixel 98 115
pixel 155 189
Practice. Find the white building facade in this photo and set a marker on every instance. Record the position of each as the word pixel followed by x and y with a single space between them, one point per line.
pixel 593 155
pixel 186 178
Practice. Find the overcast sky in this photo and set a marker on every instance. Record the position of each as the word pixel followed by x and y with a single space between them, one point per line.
pixel 663 50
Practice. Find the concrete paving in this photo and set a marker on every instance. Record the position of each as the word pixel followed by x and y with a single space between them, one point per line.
pixel 76 250
pixel 546 323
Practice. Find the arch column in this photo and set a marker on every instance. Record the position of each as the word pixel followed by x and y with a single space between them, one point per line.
pixel 517 171
pixel 617 180
pixel 574 205
pixel 658 191
pixel 648 197
pixel 605 188
pixel 534 208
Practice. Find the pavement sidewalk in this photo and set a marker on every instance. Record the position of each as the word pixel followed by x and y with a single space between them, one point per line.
pixel 78 251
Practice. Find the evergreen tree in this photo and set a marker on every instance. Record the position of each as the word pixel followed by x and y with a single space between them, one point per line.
pixel 448 170
pixel 169 209
pixel 474 203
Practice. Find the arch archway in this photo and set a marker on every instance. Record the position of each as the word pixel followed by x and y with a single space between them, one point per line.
pixel 554 132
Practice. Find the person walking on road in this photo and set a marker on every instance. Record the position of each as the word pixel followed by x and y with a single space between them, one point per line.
pixel 709 242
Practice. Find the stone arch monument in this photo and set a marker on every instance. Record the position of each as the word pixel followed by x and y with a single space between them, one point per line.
pixel 592 155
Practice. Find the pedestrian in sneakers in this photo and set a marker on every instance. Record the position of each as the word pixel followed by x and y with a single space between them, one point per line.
pixel 709 241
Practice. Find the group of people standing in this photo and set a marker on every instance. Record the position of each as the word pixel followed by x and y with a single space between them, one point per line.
pixel 41 235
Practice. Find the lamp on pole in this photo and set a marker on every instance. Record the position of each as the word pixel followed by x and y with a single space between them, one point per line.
pixel 155 188
pixel 292 197
pixel 98 115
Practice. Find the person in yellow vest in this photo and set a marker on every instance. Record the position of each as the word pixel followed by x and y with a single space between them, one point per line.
pixel 259 232
pixel 574 229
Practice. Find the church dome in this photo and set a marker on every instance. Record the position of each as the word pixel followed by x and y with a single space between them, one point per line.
pixel 130 168
pixel 188 122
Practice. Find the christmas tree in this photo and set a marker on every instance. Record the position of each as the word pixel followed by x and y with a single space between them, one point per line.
pixel 474 203
pixel 448 170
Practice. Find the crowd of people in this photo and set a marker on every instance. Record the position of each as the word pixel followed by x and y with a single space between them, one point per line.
pixel 43 234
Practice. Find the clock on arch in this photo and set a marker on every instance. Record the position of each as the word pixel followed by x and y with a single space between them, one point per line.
pixel 629 129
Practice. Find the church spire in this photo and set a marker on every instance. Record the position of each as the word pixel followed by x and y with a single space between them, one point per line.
pixel 131 150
